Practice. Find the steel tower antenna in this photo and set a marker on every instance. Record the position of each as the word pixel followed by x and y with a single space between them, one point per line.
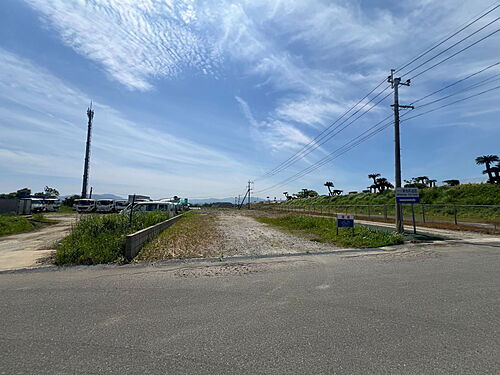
pixel 90 115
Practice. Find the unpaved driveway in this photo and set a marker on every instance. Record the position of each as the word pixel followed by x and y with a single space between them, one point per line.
pixel 23 250
pixel 243 235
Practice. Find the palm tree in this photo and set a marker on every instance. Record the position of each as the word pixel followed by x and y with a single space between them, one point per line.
pixel 383 184
pixel 487 160
pixel 337 192
pixel 374 177
pixel 329 185
pixel 452 182
pixel 432 183
pixel 422 179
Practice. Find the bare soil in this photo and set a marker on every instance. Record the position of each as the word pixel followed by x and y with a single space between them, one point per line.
pixel 31 249
pixel 243 235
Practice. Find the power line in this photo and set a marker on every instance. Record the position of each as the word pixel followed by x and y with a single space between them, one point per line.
pixel 456 53
pixel 448 38
pixel 330 135
pixel 312 144
pixel 375 129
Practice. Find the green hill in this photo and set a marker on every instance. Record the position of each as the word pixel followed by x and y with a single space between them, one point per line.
pixel 462 194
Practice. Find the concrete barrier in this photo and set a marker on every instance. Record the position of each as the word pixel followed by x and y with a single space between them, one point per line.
pixel 135 241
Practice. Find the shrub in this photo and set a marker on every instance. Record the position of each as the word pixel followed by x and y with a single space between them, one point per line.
pixel 101 238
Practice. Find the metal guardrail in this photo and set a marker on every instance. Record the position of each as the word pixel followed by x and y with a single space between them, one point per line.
pixel 486 216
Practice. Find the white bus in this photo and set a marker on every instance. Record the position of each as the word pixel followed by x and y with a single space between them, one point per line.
pixel 52 204
pixel 37 205
pixel 104 205
pixel 120 205
pixel 152 206
pixel 85 205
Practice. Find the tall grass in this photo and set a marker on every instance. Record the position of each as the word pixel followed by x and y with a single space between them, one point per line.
pixel 10 224
pixel 101 238
pixel 325 230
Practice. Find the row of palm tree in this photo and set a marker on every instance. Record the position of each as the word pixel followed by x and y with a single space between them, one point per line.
pixel 331 192
pixel 493 171
pixel 380 184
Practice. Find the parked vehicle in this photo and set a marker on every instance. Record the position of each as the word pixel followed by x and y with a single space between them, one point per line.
pixel 37 205
pixel 120 205
pixel 51 204
pixel 105 205
pixel 152 206
pixel 85 205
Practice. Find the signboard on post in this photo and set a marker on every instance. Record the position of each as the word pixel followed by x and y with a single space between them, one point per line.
pixel 345 221
pixel 407 195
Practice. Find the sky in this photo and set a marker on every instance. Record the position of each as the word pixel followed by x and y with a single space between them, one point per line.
pixel 195 98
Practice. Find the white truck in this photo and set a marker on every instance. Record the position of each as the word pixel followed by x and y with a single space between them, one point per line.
pixel 85 205
pixel 105 205
pixel 37 205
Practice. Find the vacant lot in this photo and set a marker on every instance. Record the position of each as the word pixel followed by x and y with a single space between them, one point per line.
pixel 23 250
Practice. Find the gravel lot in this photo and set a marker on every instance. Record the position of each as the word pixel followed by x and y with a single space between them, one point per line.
pixel 243 235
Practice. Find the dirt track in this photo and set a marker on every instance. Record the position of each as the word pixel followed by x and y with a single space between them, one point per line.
pixel 24 250
pixel 243 235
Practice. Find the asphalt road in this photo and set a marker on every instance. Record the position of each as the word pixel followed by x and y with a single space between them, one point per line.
pixel 420 310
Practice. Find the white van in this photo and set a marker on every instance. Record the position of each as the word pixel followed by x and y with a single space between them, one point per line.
pixel 151 206
pixel 104 205
pixel 85 205
pixel 120 205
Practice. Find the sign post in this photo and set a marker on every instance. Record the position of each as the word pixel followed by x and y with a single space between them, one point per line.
pixel 345 221
pixel 407 195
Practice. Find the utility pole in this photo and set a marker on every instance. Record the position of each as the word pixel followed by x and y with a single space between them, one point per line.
pixel 395 83
pixel 249 191
pixel 90 115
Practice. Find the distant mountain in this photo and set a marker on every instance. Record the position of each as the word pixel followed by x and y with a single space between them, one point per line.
pixel 213 200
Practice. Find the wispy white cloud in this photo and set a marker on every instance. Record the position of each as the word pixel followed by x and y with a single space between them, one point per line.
pixel 135 41
pixel 50 129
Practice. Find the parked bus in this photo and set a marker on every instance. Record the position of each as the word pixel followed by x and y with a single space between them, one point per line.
pixel 144 207
pixel 85 205
pixel 37 205
pixel 105 205
pixel 51 204
pixel 120 205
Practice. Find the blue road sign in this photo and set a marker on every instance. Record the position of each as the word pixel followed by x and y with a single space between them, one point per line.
pixel 408 199
pixel 345 221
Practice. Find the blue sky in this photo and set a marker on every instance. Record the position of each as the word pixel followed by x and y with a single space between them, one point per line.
pixel 195 98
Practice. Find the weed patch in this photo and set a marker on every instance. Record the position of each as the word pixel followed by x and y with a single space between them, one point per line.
pixel 324 230
pixel 101 238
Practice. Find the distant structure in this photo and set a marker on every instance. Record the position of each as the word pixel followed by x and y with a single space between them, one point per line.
pixel 90 115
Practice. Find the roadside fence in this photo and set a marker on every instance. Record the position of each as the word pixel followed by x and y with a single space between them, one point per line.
pixel 485 216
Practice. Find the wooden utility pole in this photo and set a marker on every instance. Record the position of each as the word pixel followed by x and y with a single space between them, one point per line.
pixel 395 83
pixel 249 191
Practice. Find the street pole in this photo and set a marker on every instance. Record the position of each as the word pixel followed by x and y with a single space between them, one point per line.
pixel 249 190
pixel 396 82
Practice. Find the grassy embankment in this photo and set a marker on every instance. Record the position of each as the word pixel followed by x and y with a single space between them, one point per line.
pixel 195 236
pixel 445 196
pixel 101 238
pixel 324 230
pixel 11 224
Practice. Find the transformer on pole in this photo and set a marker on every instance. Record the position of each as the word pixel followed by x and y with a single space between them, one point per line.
pixel 90 115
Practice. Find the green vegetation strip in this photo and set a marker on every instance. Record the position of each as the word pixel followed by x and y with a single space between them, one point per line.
pixel 11 224
pixel 101 238
pixel 324 230
pixel 194 236
pixel 444 196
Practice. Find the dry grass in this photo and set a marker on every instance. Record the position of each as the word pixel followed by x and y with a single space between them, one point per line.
pixel 194 236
